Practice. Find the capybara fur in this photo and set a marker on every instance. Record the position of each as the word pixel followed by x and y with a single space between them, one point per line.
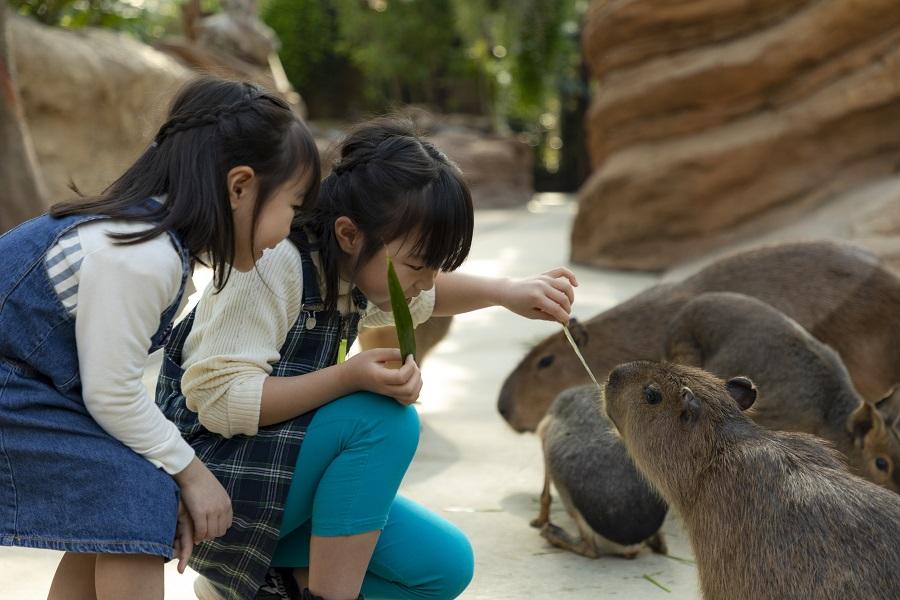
pixel 428 335
pixel 616 511
pixel 770 514
pixel 841 294
pixel 803 385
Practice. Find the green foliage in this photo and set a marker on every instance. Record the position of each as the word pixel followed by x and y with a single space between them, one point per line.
pixel 307 29
pixel 145 19
pixel 405 47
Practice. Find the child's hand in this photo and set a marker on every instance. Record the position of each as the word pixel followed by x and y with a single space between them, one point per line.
pixel 207 502
pixel 184 537
pixel 548 297
pixel 369 371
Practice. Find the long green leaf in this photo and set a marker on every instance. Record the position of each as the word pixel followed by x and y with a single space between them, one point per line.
pixel 402 319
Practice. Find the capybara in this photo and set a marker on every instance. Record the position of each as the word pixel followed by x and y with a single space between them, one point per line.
pixel 770 514
pixel 615 510
pixel 803 385
pixel 840 293
pixel 428 335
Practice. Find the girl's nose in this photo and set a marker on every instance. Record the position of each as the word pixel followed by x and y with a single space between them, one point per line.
pixel 426 282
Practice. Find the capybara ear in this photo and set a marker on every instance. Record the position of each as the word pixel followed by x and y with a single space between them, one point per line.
pixel 887 396
pixel 863 420
pixel 690 406
pixel 683 352
pixel 742 391
pixel 579 332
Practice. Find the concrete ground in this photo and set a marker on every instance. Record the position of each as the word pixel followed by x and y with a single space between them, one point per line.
pixel 470 467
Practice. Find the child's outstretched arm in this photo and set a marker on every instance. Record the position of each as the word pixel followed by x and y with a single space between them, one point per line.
pixel 548 296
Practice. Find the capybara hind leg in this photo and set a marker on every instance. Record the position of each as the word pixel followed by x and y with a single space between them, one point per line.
pixel 559 538
pixel 544 515
pixel 657 543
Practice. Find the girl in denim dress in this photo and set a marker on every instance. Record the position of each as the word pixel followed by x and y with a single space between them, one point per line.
pixel 88 463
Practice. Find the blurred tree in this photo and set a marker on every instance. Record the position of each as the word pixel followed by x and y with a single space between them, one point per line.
pixel 145 19
pixel 23 192
pixel 329 82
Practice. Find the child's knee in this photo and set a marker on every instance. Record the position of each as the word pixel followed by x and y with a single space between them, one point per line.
pixel 459 567
pixel 396 424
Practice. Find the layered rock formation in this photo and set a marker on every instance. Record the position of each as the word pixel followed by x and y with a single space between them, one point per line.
pixel 716 119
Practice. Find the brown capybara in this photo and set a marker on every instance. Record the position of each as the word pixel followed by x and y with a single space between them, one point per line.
pixel 616 511
pixel 841 294
pixel 771 515
pixel 428 334
pixel 803 385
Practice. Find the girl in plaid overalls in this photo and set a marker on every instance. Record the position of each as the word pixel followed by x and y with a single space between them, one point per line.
pixel 88 464
pixel 258 369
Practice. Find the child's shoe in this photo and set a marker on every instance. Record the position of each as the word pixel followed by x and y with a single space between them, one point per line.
pixel 279 585
pixel 204 589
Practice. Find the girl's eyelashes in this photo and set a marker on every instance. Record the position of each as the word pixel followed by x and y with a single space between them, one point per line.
pixel 414 267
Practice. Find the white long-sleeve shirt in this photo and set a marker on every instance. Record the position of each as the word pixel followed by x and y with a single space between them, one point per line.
pixel 117 294
pixel 238 332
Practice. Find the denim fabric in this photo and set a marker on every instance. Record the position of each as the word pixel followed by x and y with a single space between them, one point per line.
pixel 65 483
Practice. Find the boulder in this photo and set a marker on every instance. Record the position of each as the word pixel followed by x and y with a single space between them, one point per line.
pixel 497 169
pixel 93 100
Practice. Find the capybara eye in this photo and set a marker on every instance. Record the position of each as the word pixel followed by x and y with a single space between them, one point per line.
pixel 652 394
pixel 545 361
pixel 881 464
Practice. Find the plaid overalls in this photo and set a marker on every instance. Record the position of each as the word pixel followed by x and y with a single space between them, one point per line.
pixel 256 470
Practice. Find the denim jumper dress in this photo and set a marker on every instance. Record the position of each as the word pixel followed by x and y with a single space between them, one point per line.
pixel 256 470
pixel 66 484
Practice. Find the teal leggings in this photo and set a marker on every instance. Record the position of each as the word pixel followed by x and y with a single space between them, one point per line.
pixel 354 456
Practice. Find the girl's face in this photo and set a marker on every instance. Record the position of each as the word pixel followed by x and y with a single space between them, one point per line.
pixel 274 221
pixel 414 276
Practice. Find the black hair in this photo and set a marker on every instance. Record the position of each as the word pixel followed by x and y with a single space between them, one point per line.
pixel 213 126
pixel 390 182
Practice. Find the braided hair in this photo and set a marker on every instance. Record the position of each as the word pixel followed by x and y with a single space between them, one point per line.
pixel 213 126
pixel 391 183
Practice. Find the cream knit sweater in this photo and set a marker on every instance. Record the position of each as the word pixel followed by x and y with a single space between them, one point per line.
pixel 238 332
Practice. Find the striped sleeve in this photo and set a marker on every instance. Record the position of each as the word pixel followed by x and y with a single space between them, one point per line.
pixel 63 263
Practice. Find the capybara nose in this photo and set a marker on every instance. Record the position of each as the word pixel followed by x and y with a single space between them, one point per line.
pixel 505 402
pixel 503 408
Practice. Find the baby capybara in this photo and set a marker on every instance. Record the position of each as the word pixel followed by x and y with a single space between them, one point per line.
pixel 615 510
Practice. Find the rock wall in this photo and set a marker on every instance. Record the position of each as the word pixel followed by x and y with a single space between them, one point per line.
pixel 721 118
pixel 93 100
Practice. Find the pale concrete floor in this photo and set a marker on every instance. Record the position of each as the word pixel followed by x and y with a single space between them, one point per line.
pixel 470 467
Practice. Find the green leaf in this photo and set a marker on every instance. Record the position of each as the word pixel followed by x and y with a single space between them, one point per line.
pixel 402 319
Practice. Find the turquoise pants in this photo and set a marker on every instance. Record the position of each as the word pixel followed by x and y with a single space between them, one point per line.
pixel 354 456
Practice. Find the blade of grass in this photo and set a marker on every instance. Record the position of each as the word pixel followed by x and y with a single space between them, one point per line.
pixel 580 357
pixel 657 584
pixel 406 334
